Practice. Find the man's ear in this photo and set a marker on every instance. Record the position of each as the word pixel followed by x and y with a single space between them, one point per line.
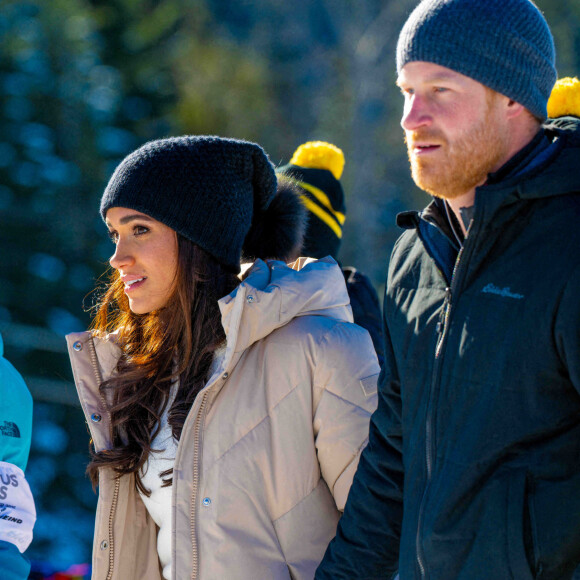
pixel 513 109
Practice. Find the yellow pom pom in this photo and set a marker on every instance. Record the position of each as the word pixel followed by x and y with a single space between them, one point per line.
pixel 565 98
pixel 319 155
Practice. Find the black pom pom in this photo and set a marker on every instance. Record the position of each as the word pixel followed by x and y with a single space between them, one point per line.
pixel 278 231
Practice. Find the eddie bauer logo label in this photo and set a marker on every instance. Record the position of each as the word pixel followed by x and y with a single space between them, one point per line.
pixel 505 292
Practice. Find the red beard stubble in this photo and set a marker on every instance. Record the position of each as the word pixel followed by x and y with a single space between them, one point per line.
pixel 460 165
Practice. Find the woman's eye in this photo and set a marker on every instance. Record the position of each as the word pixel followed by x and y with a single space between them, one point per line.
pixel 113 236
pixel 140 230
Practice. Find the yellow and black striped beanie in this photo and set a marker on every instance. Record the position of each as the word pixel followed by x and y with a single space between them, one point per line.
pixel 316 167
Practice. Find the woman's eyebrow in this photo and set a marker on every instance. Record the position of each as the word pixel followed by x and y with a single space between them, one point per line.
pixel 133 217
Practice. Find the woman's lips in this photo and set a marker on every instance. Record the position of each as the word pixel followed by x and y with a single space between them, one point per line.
pixel 132 285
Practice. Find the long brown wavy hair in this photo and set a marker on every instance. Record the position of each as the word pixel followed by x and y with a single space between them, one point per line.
pixel 175 342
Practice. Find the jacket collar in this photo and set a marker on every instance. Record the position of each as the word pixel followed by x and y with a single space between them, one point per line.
pixel 523 160
pixel 274 293
pixel 271 296
pixel 547 167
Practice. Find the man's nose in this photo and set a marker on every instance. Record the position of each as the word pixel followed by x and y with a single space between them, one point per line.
pixel 415 114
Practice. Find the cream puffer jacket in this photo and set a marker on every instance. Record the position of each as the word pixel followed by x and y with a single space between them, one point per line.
pixel 268 450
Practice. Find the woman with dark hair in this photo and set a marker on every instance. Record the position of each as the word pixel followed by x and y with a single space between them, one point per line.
pixel 227 414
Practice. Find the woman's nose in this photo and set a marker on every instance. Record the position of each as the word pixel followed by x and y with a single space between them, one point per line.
pixel 122 256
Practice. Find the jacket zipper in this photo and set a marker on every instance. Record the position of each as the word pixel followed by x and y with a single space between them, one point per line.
pixel 98 376
pixel 442 330
pixel 193 502
pixel 111 518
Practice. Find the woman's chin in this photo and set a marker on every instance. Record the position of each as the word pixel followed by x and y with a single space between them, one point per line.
pixel 138 308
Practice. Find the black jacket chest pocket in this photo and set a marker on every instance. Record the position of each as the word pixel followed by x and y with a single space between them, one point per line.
pixel 491 324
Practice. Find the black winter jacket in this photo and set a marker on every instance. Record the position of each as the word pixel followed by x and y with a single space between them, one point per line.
pixel 366 310
pixel 473 464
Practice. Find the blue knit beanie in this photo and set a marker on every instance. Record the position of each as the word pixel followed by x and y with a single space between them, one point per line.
pixel 208 189
pixel 505 45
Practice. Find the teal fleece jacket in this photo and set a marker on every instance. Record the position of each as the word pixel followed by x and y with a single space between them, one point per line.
pixel 15 436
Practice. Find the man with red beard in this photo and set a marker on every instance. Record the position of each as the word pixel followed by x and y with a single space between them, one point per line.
pixel 473 464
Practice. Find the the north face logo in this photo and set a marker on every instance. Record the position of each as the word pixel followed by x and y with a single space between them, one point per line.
pixel 9 429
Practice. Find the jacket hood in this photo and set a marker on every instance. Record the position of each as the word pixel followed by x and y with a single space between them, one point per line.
pixel 560 175
pixel 274 293
pixel 556 173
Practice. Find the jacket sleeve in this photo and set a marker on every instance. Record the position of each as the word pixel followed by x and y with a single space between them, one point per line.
pixel 567 328
pixel 345 395
pixel 366 545
pixel 15 414
pixel 17 510
pixel 13 564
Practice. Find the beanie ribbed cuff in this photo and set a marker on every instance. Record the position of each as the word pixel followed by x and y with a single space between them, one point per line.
pixel 505 45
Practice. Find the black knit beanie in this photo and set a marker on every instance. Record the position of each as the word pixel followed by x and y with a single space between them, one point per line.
pixel 208 189
pixel 316 167
pixel 505 45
